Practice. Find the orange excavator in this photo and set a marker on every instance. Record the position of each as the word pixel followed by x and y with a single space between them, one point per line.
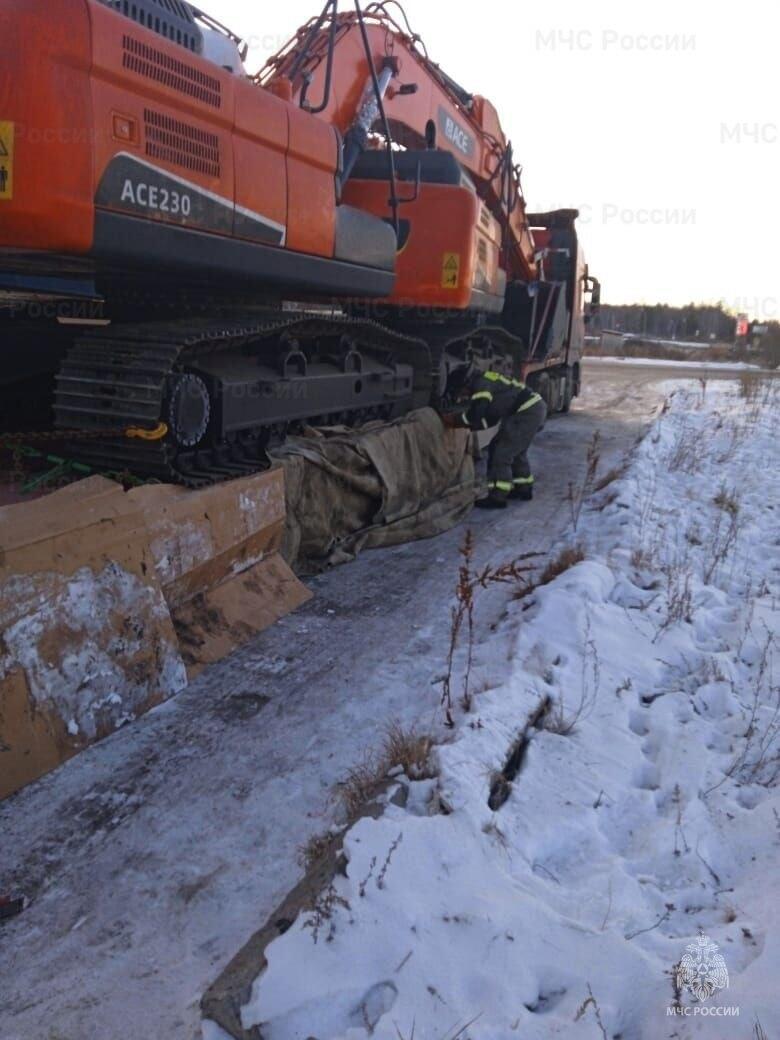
pixel 197 261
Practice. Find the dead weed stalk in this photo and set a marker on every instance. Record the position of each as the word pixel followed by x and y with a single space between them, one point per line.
pixel 563 721
pixel 577 493
pixel 514 572
pixel 610 476
pixel 678 574
pixel 457 1032
pixel 685 450
pixel 591 1002
pixel 322 915
pixel 758 761
pixel 724 534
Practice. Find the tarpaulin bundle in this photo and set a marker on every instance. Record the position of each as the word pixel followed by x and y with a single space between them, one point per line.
pixel 384 484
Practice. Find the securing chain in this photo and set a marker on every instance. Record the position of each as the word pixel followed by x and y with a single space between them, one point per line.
pixel 17 443
pixel 155 434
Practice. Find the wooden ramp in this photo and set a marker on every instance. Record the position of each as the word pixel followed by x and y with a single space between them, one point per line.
pixel 110 601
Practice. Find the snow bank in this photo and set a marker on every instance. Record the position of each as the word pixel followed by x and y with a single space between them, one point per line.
pixel 646 810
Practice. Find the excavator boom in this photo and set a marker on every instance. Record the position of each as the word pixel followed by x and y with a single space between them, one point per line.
pixel 324 68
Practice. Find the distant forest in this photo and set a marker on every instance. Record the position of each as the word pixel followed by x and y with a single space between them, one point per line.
pixel 692 322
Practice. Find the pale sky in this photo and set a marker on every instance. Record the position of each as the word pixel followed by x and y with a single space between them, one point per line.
pixel 659 121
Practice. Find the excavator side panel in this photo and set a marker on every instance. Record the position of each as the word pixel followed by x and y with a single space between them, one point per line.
pixel 447 257
pixel 183 142
pixel 260 142
pixel 46 131
pixel 311 171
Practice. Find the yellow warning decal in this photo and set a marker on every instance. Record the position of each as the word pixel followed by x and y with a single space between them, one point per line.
pixel 450 270
pixel 6 160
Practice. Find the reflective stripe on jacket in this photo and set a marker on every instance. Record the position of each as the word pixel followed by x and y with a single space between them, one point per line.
pixel 496 397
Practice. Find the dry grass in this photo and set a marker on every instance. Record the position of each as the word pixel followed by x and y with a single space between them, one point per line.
pixel 313 850
pixel 727 500
pixel 761 761
pixel 685 451
pixel 564 561
pixel 751 383
pixel 693 534
pixel 369 777
pixel 679 593
pixel 361 785
pixel 640 558
pixel 647 505
pixel 760 393
pixel 610 477
pixel 723 538
pixel 409 749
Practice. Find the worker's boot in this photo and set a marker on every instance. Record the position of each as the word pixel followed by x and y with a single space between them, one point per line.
pixel 525 492
pixel 493 500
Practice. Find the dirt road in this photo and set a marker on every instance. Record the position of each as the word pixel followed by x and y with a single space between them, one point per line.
pixel 151 858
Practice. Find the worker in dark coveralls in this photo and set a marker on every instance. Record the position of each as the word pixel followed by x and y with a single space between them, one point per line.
pixel 520 413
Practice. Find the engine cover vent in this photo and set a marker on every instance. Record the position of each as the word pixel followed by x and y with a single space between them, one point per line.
pixel 181 144
pixel 172 19
pixel 178 75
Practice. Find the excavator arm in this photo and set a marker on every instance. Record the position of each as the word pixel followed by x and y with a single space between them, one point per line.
pixel 325 69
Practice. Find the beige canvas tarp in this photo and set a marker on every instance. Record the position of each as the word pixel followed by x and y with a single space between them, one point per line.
pixel 383 485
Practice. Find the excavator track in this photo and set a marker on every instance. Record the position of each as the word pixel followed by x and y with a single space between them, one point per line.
pixel 121 377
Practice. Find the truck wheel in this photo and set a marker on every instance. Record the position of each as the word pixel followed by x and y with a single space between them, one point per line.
pixel 568 391
pixel 544 389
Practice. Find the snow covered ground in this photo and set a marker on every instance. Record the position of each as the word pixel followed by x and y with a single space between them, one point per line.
pixel 150 859
pixel 700 366
pixel 693 344
pixel 641 812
